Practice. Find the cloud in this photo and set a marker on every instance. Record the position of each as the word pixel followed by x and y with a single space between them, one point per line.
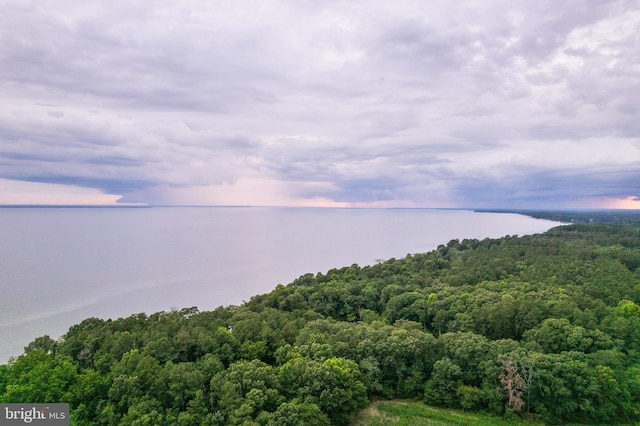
pixel 24 193
pixel 266 102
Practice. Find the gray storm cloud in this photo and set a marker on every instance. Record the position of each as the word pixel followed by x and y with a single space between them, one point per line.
pixel 464 104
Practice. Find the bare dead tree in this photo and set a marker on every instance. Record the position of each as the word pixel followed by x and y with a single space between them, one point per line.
pixel 513 384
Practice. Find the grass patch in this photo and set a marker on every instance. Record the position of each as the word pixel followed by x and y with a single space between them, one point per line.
pixel 413 413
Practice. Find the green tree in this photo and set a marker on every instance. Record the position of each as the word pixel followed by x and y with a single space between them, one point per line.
pixel 557 335
pixel 245 389
pixel 299 414
pixel 37 376
pixel 442 388
pixel 335 385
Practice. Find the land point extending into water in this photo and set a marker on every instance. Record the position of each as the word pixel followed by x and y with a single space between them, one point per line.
pixel 609 216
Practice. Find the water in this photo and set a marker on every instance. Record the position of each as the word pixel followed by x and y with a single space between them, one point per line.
pixel 59 266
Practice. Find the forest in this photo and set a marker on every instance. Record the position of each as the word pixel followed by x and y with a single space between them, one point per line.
pixel 543 327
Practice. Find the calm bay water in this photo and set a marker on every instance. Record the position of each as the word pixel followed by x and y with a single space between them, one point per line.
pixel 59 266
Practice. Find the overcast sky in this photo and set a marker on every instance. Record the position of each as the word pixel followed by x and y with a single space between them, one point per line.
pixel 497 103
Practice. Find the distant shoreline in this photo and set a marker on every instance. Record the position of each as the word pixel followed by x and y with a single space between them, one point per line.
pixel 582 216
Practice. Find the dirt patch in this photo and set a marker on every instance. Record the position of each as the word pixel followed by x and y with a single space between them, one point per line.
pixel 372 413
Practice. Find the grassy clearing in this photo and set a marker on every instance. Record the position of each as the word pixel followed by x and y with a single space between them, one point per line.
pixel 415 413
pixel 412 413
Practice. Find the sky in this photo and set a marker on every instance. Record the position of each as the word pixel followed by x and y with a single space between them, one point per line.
pixel 344 103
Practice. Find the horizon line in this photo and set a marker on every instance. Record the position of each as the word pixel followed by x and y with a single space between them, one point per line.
pixel 476 209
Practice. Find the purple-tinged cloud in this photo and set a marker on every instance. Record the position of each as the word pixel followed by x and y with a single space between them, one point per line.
pixel 493 104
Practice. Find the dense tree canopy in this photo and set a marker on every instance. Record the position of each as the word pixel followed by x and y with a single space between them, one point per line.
pixel 546 326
